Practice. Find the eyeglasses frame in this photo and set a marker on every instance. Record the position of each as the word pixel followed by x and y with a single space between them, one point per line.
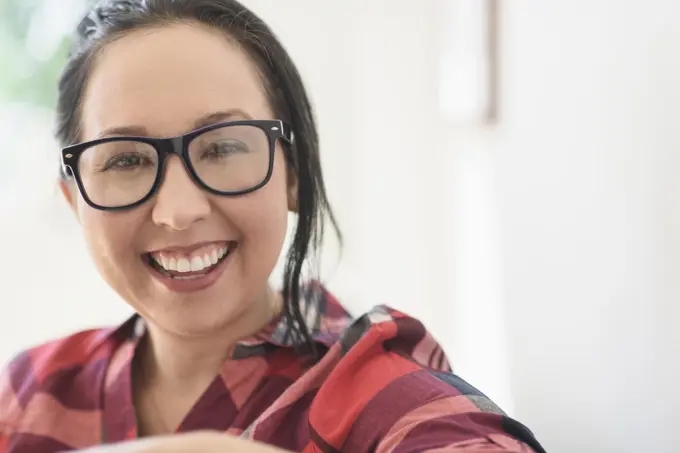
pixel 179 145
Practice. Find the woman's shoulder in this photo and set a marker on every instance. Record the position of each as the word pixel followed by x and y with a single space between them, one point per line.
pixel 391 381
pixel 61 371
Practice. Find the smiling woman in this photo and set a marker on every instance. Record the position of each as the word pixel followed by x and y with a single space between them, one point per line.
pixel 188 137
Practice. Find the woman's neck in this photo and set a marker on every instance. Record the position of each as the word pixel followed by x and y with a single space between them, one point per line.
pixel 182 362
pixel 172 371
pixel 171 362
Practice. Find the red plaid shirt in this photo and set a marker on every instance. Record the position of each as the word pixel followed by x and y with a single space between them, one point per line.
pixel 383 385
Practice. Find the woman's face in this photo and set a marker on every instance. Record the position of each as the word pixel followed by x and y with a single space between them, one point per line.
pixel 165 82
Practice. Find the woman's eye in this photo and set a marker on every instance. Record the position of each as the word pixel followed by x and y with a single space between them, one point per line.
pixel 224 149
pixel 126 162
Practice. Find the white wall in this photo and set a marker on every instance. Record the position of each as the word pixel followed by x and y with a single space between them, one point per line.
pixel 542 252
pixel 586 173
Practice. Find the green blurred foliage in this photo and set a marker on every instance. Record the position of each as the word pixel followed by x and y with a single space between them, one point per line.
pixel 23 77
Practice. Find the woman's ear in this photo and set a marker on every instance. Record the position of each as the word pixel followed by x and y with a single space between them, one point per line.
pixel 67 190
pixel 292 190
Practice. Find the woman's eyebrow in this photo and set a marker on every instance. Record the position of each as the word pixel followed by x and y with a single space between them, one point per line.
pixel 207 120
pixel 218 117
pixel 134 131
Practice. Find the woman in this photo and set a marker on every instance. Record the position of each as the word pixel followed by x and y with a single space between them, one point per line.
pixel 187 230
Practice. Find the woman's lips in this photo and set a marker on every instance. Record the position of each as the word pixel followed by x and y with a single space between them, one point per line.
pixel 184 274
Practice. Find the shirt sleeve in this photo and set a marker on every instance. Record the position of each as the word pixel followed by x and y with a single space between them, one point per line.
pixel 3 442
pixel 6 402
pixel 444 426
pixel 4 439
pixel 463 421
pixel 392 391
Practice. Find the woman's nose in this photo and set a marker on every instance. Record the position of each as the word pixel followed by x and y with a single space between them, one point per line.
pixel 180 202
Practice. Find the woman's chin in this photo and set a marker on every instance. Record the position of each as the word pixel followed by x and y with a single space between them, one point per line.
pixel 210 313
pixel 196 324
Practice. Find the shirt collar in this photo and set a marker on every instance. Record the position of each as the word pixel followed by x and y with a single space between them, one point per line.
pixel 326 320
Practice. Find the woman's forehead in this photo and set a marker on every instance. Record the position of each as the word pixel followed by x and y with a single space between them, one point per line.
pixel 164 79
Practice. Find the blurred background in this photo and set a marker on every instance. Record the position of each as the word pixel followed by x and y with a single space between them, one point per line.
pixel 505 171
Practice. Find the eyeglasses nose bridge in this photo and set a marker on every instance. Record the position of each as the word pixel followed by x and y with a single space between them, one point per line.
pixel 169 146
pixel 176 145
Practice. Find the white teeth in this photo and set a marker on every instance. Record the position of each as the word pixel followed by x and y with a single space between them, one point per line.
pixel 196 264
pixel 190 264
pixel 183 265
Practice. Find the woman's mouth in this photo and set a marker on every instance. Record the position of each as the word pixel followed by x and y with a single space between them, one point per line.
pixel 185 272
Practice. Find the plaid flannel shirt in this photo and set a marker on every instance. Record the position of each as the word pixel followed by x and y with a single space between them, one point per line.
pixel 383 384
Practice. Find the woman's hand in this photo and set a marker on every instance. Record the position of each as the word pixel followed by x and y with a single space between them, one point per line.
pixel 196 442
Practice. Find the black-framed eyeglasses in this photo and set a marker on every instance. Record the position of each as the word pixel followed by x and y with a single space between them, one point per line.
pixel 231 158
